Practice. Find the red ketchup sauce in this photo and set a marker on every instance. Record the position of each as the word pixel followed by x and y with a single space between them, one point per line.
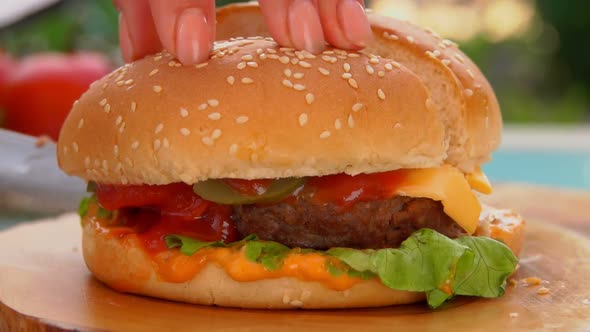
pixel 156 211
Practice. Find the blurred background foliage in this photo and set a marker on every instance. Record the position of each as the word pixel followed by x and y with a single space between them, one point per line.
pixel 535 52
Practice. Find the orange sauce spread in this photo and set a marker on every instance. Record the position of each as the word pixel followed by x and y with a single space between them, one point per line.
pixel 149 213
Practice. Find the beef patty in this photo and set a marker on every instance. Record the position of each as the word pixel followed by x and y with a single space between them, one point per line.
pixel 375 224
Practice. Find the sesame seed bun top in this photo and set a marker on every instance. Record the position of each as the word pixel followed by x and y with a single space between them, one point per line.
pixel 254 110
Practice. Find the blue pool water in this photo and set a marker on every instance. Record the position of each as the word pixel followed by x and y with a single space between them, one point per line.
pixel 562 169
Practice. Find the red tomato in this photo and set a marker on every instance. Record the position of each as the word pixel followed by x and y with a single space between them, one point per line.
pixel 40 92
pixel 7 66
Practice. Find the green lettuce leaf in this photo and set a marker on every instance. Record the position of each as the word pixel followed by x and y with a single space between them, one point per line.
pixel 425 262
pixel 85 205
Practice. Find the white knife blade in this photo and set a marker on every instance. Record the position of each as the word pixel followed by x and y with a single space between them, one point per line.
pixel 30 179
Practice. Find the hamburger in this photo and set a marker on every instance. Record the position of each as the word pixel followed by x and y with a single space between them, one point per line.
pixel 269 177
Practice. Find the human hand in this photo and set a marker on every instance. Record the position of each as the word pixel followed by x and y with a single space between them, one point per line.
pixel 187 27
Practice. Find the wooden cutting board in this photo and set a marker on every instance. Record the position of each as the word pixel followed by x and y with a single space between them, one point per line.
pixel 44 285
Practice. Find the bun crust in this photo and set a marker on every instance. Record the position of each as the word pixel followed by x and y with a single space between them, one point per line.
pixel 243 116
pixel 459 91
pixel 122 265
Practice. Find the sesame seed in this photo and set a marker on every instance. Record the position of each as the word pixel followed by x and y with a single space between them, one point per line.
pixel 325 134
pixel 470 73
pixel 157 144
pixel 273 56
pixel 286 49
pixel 303 119
pixel 241 119
pixel 396 64
pixel 357 107
pixel 333 60
pixel 324 71
pixel 287 83
pixel 158 128
pixel 374 61
pixel 81 123
pixel 116 150
pixel 133 106
pixel 105 165
pixel 153 72
pixel 129 82
pixel 96 163
pixel 337 124
pixel 231 80
pixel 287 72
pixel 381 94
pixel 233 149
pixel 446 62
pixel 65 150
pixel 459 58
pixel 262 56
pixel 201 65
pixel 369 69
pixel 122 128
pixel 410 39
pixel 214 116
pixel 118 120
pixel 185 131
pixel 326 58
pixel 449 42
pixel 429 103
pixel 216 134
pixel 87 162
pixel 202 107
pixel 352 82
pixel 134 145
pixel 350 121
pixel 328 52
pixel 298 75
pixel 346 76
pixel 247 57
pixel 353 55
pixel 259 51
pixel 271 50
pixel 436 53
pixel 213 102
pixel 247 80
pixel 241 65
pixel 304 64
pixel 309 98
pixel 284 59
pixel 346 67
pixel 183 112
pixel 75 147
pixel 166 143
pixel 207 141
pixel 299 87
pixel 388 66
pixel 157 88
pixel 120 83
pixel 381 73
pixel 107 108
pixel 543 291
pixel 252 64
pixel 468 92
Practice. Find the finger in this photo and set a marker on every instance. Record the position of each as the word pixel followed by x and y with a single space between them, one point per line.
pixel 345 23
pixel 275 13
pixel 186 27
pixel 137 33
pixel 305 26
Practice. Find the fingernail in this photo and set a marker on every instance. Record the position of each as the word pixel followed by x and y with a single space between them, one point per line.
pixel 356 28
pixel 125 40
pixel 192 37
pixel 305 26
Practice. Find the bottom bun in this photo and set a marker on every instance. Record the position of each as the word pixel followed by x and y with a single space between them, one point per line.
pixel 122 264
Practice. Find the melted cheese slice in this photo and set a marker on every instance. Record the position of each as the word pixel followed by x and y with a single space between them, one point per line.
pixel 452 188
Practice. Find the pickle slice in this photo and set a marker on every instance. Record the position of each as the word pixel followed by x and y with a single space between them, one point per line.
pixel 219 192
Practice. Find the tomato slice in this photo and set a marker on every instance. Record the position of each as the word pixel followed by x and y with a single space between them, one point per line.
pixel 177 199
